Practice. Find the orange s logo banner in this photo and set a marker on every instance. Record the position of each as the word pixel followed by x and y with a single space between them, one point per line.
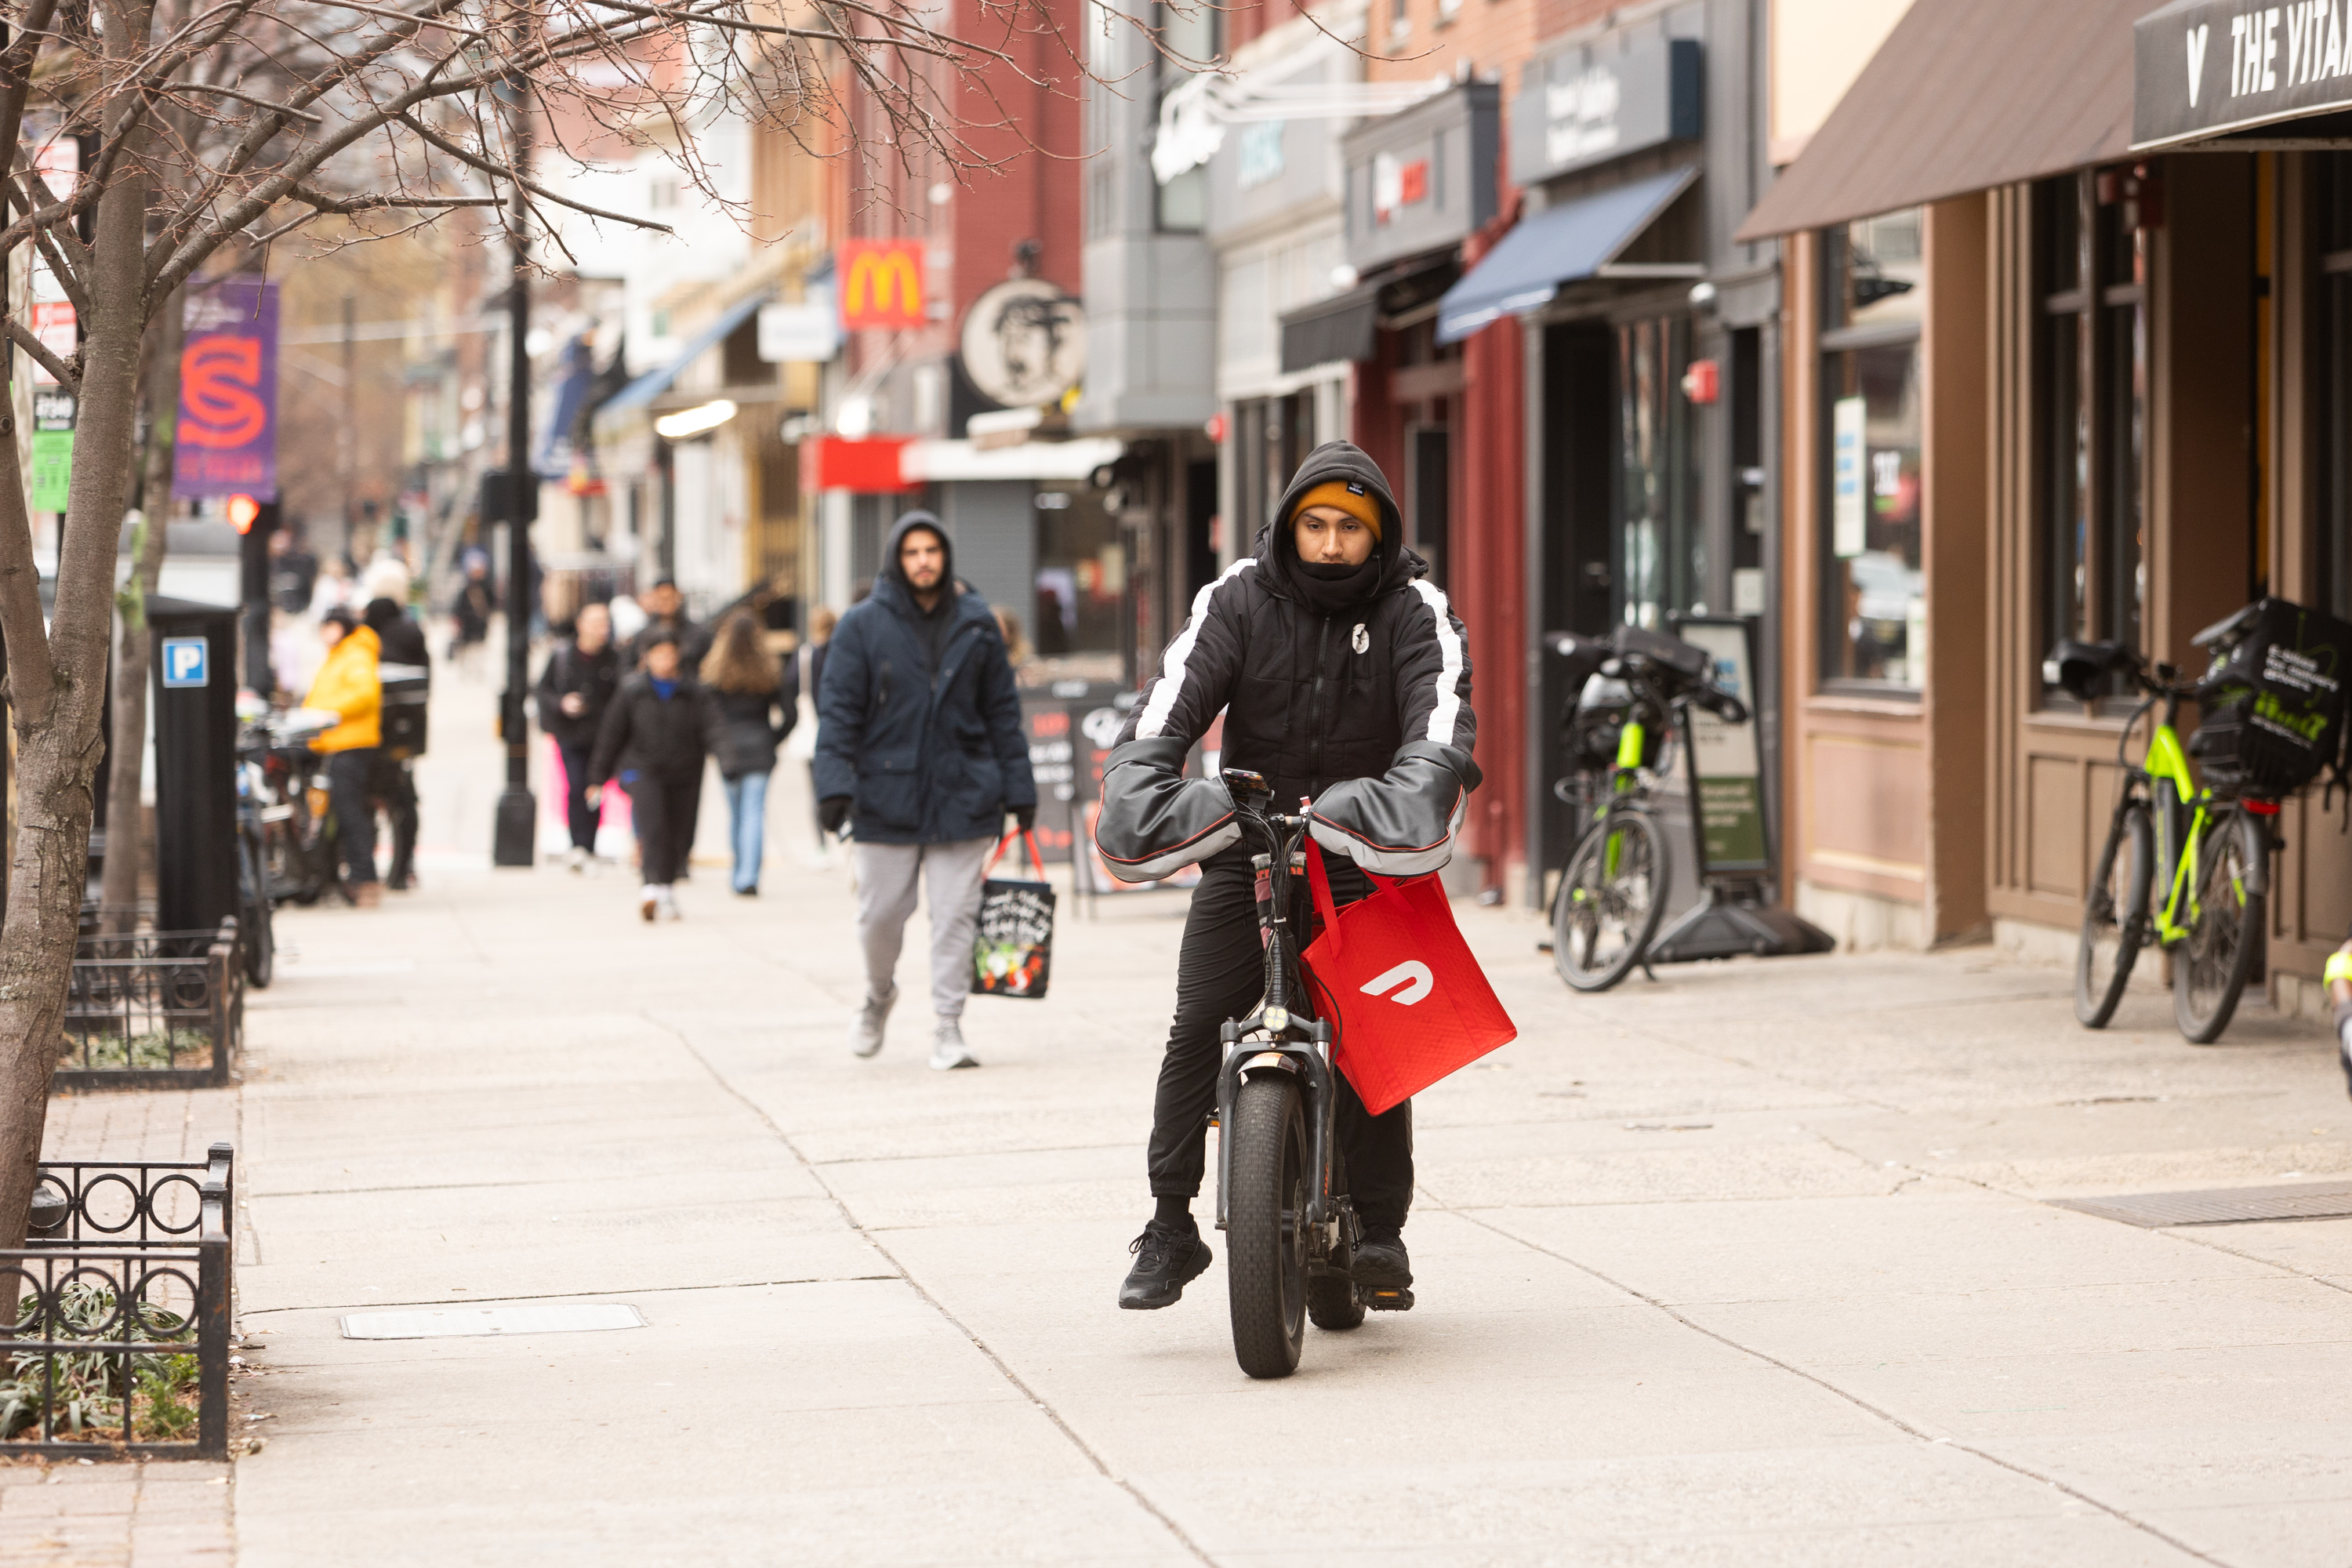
pixel 220 402
pixel 881 283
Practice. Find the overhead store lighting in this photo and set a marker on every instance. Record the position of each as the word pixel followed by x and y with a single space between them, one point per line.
pixel 694 421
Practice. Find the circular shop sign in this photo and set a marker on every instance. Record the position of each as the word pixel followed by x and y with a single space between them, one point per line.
pixel 1024 342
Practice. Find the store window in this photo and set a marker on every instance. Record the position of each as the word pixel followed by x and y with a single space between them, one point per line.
pixel 1661 550
pixel 1081 603
pixel 1873 631
pixel 2334 230
pixel 2090 408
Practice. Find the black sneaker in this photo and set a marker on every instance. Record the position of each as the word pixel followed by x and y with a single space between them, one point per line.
pixel 1380 1263
pixel 1166 1260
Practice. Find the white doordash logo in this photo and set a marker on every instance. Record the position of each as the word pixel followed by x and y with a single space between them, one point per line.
pixel 1413 974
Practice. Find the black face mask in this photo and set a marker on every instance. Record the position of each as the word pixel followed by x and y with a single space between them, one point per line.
pixel 1334 588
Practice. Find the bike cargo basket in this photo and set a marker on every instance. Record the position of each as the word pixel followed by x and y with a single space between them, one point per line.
pixel 1598 720
pixel 2274 709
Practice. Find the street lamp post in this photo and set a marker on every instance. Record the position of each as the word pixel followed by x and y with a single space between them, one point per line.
pixel 514 842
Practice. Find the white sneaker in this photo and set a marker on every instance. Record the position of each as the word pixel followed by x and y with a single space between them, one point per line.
pixel 948 1050
pixel 866 1029
pixel 669 905
pixel 577 860
pixel 649 901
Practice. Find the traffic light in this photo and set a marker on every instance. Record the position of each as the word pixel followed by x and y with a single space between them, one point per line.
pixel 242 510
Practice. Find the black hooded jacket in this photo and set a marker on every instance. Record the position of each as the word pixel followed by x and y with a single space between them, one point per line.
pixel 918 721
pixel 1363 710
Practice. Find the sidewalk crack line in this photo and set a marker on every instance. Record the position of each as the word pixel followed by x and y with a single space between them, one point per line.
pixel 1003 1368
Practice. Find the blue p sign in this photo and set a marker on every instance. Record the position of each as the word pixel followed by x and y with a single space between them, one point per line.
pixel 184 661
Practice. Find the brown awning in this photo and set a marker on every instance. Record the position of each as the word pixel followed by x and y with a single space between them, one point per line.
pixel 1965 95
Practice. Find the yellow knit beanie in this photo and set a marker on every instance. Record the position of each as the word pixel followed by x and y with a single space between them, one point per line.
pixel 1356 500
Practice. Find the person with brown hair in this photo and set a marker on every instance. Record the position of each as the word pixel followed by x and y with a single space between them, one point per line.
pixel 743 691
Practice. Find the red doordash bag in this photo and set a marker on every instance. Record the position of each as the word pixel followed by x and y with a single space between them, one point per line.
pixel 1411 1002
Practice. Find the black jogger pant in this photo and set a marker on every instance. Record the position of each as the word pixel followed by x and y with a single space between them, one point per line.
pixel 578 813
pixel 663 811
pixel 1220 975
pixel 347 787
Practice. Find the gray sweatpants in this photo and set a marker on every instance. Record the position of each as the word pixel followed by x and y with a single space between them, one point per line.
pixel 886 874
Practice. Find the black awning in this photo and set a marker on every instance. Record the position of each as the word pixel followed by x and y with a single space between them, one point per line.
pixel 1339 328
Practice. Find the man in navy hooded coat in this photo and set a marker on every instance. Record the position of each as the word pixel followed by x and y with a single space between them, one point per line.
pixel 919 751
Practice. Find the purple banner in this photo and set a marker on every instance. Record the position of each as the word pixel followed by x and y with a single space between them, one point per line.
pixel 227 443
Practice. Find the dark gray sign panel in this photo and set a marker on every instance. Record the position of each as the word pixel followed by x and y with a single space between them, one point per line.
pixel 1424 177
pixel 1589 104
pixel 2207 67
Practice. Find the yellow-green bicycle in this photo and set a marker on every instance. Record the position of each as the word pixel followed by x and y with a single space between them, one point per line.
pixel 2185 868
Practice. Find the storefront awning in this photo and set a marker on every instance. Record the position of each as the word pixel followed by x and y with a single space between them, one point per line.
pixel 1574 240
pixel 2197 78
pixel 1963 96
pixel 654 382
pixel 1339 328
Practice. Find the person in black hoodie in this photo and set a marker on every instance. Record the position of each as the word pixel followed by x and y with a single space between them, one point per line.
pixel 919 748
pixel 743 692
pixel 1341 673
pixel 575 688
pixel 651 745
pixel 391 781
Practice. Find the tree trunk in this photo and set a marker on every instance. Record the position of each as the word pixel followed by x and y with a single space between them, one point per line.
pixel 126 822
pixel 59 742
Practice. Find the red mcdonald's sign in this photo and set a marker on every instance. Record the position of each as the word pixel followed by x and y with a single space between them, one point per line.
pixel 881 283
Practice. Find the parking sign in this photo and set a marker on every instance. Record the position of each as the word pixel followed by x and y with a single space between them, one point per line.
pixel 184 661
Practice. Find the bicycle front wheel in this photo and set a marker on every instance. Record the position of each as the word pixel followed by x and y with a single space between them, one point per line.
pixel 1265 1225
pixel 2115 917
pixel 2210 966
pixel 254 932
pixel 1610 897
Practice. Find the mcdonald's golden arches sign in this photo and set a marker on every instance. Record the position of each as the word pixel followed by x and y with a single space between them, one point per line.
pixel 881 283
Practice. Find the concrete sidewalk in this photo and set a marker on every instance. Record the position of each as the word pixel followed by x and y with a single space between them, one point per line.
pixel 1752 1264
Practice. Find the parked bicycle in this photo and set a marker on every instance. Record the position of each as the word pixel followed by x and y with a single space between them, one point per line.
pixel 2184 867
pixel 293 813
pixel 1630 708
pixel 1282 1197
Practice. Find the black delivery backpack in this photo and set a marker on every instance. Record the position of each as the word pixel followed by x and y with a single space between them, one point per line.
pixel 2275 702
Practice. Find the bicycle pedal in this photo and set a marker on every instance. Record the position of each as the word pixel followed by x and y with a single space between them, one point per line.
pixel 1387 1300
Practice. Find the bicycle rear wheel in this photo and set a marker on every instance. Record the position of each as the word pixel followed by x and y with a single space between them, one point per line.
pixel 1265 1225
pixel 2210 966
pixel 2115 917
pixel 1610 897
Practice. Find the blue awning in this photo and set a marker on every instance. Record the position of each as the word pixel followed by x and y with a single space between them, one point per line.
pixel 1558 245
pixel 654 382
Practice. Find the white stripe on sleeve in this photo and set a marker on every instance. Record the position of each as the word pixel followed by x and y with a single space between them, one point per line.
pixel 1171 665
pixel 1449 675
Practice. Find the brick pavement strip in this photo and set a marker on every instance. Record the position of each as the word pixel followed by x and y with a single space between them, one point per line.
pixel 134 1514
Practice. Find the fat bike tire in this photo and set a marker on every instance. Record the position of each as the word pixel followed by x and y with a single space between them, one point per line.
pixel 2212 964
pixel 1265 1225
pixel 2115 917
pixel 1603 921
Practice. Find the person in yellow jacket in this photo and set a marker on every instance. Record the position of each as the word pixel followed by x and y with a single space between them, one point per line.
pixel 347 685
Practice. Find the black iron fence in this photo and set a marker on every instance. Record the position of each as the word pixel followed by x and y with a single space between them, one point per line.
pixel 152 1009
pixel 116 1342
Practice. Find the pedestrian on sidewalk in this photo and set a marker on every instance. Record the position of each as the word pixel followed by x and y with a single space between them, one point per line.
pixel 477 601
pixel 651 745
pixel 392 785
pixel 348 686
pixel 919 750
pixel 666 616
pixel 803 676
pixel 575 690
pixel 743 696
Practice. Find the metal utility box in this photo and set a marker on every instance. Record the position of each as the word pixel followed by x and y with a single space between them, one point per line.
pixel 196 762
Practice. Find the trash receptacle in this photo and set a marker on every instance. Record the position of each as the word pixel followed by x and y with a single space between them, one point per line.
pixel 196 762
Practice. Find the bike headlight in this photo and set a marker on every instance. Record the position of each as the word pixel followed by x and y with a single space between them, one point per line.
pixel 1277 1017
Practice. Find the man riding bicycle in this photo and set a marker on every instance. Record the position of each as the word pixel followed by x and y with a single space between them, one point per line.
pixel 1343 678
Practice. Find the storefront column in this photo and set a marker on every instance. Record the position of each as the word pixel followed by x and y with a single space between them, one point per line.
pixel 1488 532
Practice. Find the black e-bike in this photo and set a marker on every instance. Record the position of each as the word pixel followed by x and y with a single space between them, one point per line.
pixel 1290 1230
